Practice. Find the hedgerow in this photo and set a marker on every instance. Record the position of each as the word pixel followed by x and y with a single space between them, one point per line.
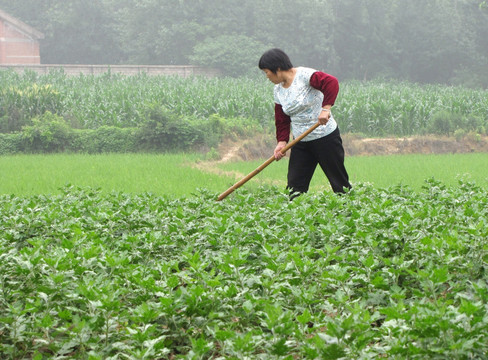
pixel 161 131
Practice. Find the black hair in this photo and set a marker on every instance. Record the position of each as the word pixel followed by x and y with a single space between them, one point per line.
pixel 275 59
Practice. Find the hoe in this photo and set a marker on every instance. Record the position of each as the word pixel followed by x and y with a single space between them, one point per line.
pixel 266 163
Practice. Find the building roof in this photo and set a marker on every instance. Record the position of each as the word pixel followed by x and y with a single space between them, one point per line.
pixel 21 25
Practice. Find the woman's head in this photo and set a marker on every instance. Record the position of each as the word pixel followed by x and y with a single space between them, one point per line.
pixel 274 60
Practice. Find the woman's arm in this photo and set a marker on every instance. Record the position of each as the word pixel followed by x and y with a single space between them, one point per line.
pixel 328 85
pixel 283 123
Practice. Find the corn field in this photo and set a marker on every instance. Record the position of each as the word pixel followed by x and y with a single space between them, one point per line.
pixel 393 108
pixel 377 108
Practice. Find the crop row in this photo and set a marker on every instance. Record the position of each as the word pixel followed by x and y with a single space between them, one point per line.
pixel 374 273
pixel 373 108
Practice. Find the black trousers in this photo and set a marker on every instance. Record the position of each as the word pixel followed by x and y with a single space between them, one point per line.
pixel 328 152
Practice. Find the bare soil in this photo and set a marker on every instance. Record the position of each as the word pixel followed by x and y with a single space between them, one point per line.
pixel 261 147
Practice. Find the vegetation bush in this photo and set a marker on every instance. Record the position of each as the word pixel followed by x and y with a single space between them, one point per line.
pixel 213 130
pixel 11 143
pixel 105 139
pixel 446 122
pixel 443 123
pixel 474 123
pixel 216 127
pixel 163 130
pixel 48 133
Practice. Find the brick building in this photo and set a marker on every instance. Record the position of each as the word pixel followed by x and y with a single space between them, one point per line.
pixel 19 43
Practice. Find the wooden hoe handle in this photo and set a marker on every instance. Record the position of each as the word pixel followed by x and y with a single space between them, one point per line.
pixel 266 163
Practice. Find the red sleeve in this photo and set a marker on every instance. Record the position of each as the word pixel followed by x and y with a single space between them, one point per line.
pixel 328 84
pixel 282 122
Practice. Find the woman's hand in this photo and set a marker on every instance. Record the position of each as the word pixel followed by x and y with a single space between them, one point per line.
pixel 277 151
pixel 324 115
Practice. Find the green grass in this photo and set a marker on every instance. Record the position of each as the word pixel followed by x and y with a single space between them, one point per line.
pixel 174 175
pixel 413 169
pixel 129 173
pixel 385 171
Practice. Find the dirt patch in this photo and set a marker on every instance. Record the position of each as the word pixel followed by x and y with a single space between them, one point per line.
pixel 258 147
pixel 261 147
pixel 355 146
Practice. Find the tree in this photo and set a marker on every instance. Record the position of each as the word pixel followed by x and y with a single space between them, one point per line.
pixel 79 31
pixel 235 54
pixel 362 38
pixel 418 40
pixel 432 41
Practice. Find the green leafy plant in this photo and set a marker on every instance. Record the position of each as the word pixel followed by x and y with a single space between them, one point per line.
pixel 48 133
pixel 165 131
pixel 19 103
pixel 375 273
pixel 373 108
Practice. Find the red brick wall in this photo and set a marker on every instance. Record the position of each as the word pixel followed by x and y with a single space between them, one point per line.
pixel 17 47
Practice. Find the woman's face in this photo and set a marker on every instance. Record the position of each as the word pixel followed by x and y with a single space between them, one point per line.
pixel 274 78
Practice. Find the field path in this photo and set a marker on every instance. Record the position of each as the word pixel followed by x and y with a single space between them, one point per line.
pixel 236 152
pixel 261 147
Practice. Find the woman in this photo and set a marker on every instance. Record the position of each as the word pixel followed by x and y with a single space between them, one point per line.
pixel 302 97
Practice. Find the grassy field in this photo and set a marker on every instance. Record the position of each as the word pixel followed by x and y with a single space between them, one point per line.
pixel 129 173
pixel 412 170
pixel 174 175
pixel 383 171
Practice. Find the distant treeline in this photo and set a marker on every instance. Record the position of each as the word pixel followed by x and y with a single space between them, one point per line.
pixel 428 41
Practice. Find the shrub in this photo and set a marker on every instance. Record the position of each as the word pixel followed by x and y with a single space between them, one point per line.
pixel 164 131
pixel 104 139
pixel 459 134
pixel 211 130
pixel 11 143
pixel 443 123
pixel 472 122
pixel 48 133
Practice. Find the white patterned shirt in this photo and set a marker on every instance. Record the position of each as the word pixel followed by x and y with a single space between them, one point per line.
pixel 303 103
